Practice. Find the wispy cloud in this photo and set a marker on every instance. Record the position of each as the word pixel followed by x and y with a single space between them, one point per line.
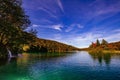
pixel 102 7
pixel 74 26
pixel 116 30
pixel 100 10
pixel 49 5
pixel 60 5
pixel 113 9
pixel 57 27
pixel 48 12
pixel 35 25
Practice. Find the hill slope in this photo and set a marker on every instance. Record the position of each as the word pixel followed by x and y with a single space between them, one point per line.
pixel 43 45
pixel 114 46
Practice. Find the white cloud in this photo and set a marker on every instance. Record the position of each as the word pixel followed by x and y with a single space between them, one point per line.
pixel 35 25
pixel 57 27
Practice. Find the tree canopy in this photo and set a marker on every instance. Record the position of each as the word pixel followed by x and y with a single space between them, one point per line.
pixel 13 22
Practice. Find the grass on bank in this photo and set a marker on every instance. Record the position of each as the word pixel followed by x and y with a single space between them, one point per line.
pixel 104 51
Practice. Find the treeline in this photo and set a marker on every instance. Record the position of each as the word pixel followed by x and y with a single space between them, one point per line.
pixel 104 45
pixel 42 45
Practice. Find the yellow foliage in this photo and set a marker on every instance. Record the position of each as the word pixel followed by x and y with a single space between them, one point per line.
pixel 25 47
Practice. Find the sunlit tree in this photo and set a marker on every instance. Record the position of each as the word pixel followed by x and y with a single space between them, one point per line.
pixel 13 22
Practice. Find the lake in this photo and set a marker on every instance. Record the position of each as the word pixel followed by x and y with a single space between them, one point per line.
pixel 69 66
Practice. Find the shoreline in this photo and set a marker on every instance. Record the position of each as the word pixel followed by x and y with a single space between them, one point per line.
pixel 104 51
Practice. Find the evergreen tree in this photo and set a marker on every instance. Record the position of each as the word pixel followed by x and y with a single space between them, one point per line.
pixel 97 42
pixel 104 42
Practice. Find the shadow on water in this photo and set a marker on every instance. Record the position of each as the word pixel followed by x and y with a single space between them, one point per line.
pixel 5 61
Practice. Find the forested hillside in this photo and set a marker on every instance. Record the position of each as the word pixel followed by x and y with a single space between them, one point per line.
pixel 42 45
pixel 114 45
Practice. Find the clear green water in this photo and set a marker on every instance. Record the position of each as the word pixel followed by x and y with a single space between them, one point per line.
pixel 76 66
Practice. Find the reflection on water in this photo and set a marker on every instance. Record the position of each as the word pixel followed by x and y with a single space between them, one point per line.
pixel 101 57
pixel 104 57
pixel 61 66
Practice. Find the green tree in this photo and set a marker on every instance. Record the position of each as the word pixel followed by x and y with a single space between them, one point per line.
pixel 13 22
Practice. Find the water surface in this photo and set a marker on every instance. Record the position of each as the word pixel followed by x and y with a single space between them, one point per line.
pixel 75 66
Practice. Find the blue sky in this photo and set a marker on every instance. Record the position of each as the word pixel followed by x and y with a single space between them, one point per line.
pixel 75 22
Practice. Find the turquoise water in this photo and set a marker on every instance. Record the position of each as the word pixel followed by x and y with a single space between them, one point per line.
pixel 75 66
